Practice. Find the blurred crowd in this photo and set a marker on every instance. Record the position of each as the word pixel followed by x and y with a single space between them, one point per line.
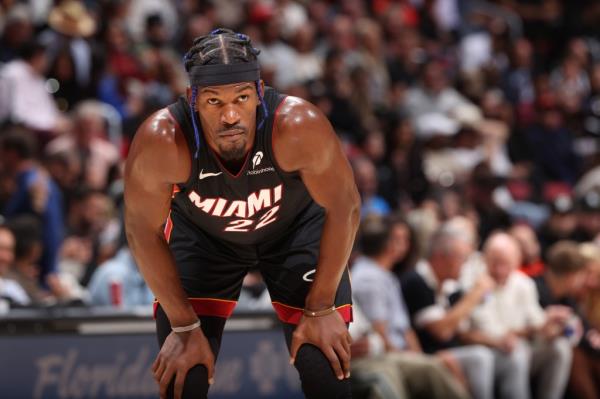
pixel 477 121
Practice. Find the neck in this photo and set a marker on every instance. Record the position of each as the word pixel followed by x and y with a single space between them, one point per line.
pixel 383 261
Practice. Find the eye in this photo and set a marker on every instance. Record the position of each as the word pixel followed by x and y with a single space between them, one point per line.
pixel 243 98
pixel 213 101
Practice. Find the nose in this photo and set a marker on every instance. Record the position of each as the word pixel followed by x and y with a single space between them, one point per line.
pixel 230 116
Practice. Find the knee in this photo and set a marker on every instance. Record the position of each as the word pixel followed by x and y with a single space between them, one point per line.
pixel 560 350
pixel 483 358
pixel 317 376
pixel 196 384
pixel 520 358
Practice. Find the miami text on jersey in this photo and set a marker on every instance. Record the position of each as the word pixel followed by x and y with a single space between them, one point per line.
pixel 257 201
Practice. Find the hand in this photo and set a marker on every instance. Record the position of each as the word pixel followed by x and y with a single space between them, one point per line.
pixel 330 335
pixel 508 343
pixel 559 314
pixel 179 353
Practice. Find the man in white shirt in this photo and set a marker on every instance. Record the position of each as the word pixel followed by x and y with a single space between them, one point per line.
pixel 512 323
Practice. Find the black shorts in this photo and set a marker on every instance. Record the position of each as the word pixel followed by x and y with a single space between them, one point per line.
pixel 212 270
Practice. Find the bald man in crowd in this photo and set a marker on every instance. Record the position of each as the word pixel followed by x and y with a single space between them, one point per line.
pixel 512 323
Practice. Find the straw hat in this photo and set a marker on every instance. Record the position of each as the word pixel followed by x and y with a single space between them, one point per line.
pixel 71 18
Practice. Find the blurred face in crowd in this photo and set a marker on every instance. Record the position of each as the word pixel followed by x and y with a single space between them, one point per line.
pixel 365 176
pixel 592 280
pixel 228 117
pixel 528 242
pixel 562 224
pixel 434 78
pixel 7 250
pixel 573 282
pixel 502 257
pixel 589 222
pixel 87 126
pixel 523 53
pixel 448 259
pixel 399 242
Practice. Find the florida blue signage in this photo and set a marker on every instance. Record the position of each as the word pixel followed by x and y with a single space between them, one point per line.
pixel 252 364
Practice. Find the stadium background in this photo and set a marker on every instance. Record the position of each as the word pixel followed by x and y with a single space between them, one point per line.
pixel 485 109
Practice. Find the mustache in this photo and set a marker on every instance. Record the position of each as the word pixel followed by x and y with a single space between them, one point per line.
pixel 231 129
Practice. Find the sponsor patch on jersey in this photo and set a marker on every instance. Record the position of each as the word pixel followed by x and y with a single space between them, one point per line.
pixel 260 171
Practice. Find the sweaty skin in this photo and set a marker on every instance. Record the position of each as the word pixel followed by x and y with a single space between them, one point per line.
pixel 303 141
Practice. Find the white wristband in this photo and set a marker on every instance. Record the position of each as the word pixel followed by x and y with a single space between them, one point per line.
pixel 186 328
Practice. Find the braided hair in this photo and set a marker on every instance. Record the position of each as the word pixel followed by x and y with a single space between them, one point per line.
pixel 220 47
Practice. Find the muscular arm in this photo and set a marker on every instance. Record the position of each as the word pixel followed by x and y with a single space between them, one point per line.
pixel 304 141
pixel 158 159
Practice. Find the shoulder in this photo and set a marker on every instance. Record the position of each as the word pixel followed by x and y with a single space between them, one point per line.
pixel 159 146
pixel 302 136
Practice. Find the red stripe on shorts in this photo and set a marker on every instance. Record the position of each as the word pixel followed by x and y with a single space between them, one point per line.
pixel 292 315
pixel 209 307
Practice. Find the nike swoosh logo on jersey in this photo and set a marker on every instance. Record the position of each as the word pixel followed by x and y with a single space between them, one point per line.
pixel 307 275
pixel 205 175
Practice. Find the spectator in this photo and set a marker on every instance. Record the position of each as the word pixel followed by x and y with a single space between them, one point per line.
pixel 28 249
pixel 585 375
pixel 512 323
pixel 377 290
pixel 118 282
pixel 9 289
pixel 34 193
pixel 438 312
pixel 22 89
pixel 367 184
pixel 531 255
pixel 98 158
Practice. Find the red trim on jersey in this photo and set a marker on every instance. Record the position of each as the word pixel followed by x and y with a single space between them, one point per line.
pixel 176 189
pixel 291 315
pixel 168 227
pixel 208 307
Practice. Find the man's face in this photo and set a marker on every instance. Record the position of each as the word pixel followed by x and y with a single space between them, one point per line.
pixel 501 262
pixel 228 117
pixel 456 258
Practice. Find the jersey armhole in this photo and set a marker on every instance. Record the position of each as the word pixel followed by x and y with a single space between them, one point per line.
pixel 273 130
pixel 194 165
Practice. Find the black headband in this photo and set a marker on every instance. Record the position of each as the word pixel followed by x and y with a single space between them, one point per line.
pixel 222 74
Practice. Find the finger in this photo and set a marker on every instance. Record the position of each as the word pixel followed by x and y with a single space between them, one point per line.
pixel 178 386
pixel 210 367
pixel 165 380
pixel 335 362
pixel 160 370
pixel 156 362
pixel 344 357
pixel 296 342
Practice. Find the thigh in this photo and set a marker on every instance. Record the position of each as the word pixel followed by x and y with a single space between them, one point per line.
pixel 288 267
pixel 211 270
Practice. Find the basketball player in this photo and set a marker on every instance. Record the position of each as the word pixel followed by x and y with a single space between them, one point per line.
pixel 245 178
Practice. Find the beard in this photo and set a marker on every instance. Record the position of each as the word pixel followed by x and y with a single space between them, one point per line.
pixel 233 152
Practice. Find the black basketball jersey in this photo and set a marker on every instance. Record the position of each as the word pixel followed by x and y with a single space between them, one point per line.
pixel 260 203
